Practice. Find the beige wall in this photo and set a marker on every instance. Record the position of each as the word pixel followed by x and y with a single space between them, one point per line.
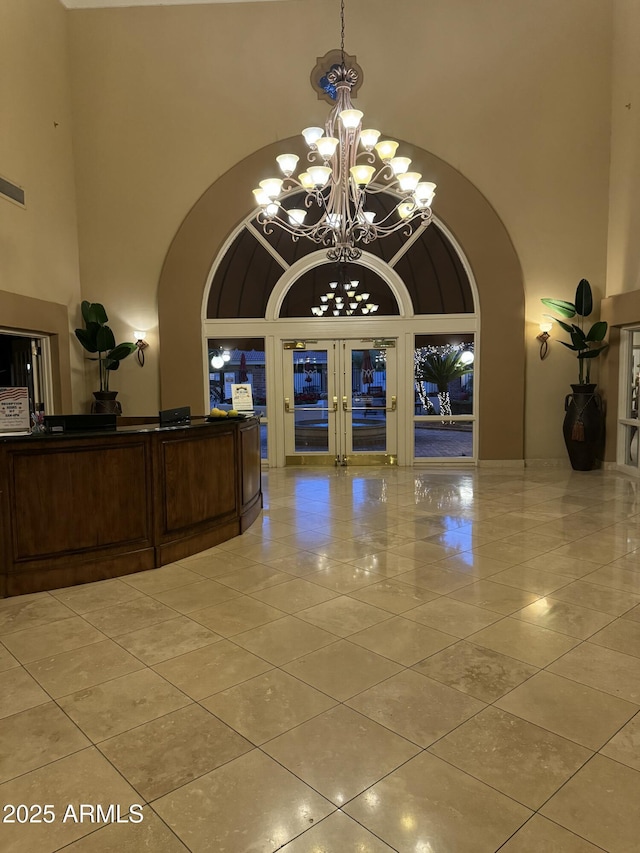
pixel 514 95
pixel 623 270
pixel 39 244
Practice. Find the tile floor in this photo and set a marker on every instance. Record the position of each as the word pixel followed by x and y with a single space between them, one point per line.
pixel 420 661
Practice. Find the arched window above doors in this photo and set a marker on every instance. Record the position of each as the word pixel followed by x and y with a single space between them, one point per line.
pixel 426 261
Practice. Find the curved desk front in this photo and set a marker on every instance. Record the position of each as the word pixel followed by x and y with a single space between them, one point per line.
pixel 83 507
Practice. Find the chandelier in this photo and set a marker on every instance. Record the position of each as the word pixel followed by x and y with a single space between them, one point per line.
pixel 347 166
pixel 344 299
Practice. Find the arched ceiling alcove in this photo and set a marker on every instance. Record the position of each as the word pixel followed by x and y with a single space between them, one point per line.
pixel 466 214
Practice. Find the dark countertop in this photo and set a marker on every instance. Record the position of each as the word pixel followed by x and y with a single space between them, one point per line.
pixel 197 422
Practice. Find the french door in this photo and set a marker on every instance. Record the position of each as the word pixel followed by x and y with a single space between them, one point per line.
pixel 340 402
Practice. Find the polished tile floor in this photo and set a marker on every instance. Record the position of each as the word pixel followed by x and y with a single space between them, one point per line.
pixel 421 661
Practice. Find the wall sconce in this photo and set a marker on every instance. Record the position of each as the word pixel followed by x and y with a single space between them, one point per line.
pixel 142 345
pixel 543 337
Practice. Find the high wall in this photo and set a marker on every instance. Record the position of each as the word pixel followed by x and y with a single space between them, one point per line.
pixel 515 95
pixel 39 243
pixel 623 268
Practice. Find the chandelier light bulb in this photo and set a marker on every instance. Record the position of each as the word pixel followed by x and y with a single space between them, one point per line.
pixel 424 195
pixel 336 313
pixel 400 165
pixel 316 311
pixel 351 118
pixel 364 295
pixel 319 175
pixel 362 174
pixel 365 310
pixel 425 189
pixel 271 187
pixel 305 181
pixel 369 216
pixel 333 284
pixel 312 135
pixel 326 146
pixel 296 216
pixel 272 208
pixel 406 209
pixel 323 298
pixel 287 163
pixel 409 181
pixel 261 197
pixel 353 305
pixel 369 138
pixel 387 149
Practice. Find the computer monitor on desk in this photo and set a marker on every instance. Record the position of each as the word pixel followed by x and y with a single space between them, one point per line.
pixel 173 417
pixel 79 423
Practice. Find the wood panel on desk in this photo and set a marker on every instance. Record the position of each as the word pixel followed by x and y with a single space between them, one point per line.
pixel 75 509
pixel 251 462
pixel 49 487
pixel 199 476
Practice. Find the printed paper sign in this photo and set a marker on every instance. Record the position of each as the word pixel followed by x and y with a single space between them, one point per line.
pixel 242 397
pixel 14 410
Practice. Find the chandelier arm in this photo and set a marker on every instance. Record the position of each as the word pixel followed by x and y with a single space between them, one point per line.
pixel 367 156
pixel 374 189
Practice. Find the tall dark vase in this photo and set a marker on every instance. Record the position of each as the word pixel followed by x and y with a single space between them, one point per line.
pixel 105 403
pixel 583 427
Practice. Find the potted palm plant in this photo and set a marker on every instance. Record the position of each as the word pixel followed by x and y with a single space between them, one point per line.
pixel 583 426
pixel 97 337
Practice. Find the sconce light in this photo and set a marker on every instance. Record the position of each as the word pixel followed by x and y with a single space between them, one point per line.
pixel 543 337
pixel 142 345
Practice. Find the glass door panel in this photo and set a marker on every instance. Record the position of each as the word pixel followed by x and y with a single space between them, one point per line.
pixel 340 403
pixel 370 384
pixel 310 404
pixel 310 401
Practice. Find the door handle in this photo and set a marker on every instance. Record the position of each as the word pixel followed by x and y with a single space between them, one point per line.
pixel 394 403
pixel 335 404
pixel 287 406
pixel 344 405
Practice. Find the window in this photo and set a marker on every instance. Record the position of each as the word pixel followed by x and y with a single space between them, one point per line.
pixel 444 398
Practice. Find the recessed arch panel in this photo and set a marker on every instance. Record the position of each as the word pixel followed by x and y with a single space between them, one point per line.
pixel 466 215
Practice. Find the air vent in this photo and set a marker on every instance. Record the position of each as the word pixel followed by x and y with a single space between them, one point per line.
pixel 11 192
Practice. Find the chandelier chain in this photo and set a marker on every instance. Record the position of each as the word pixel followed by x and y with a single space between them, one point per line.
pixel 342 29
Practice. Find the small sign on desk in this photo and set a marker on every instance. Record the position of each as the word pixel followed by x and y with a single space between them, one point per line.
pixel 14 410
pixel 242 397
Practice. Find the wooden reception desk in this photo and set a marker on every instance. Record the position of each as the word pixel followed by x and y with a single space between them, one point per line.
pixel 82 507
